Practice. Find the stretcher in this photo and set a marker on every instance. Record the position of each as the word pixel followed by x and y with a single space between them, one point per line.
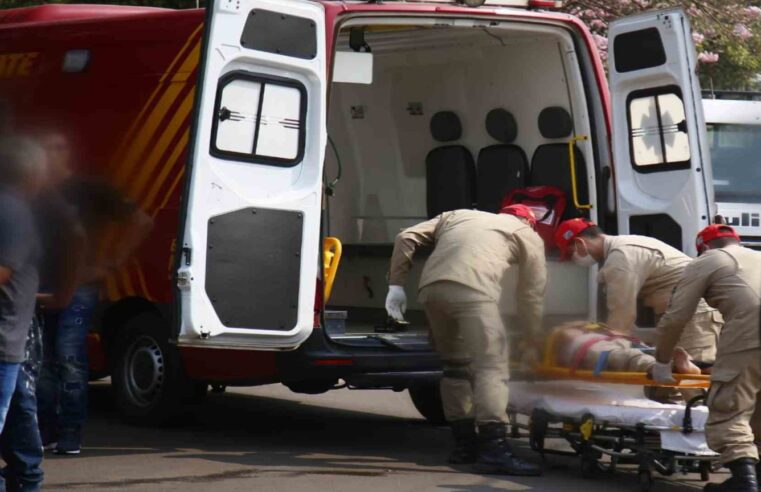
pixel 614 420
pixel 549 368
pixel 606 414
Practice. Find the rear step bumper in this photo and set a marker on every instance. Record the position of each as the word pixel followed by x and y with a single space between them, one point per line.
pixel 361 367
pixel 392 380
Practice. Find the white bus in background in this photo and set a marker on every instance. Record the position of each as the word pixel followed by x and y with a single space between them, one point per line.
pixel 733 121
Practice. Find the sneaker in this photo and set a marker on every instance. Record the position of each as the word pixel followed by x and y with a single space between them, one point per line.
pixel 49 438
pixel 69 442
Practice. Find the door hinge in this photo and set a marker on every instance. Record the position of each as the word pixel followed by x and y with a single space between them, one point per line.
pixel 183 280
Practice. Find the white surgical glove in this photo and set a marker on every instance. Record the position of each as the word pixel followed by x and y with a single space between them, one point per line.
pixel 662 373
pixel 396 302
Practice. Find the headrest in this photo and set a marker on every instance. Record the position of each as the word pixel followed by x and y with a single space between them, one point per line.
pixel 555 122
pixel 501 125
pixel 446 126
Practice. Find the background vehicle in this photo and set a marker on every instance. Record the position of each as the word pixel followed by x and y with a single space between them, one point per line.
pixel 733 122
pixel 235 297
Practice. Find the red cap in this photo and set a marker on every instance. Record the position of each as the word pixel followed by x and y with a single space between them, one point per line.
pixel 567 231
pixel 714 231
pixel 521 211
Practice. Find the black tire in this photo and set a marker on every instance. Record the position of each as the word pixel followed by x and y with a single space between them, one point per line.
pixel 427 401
pixel 147 374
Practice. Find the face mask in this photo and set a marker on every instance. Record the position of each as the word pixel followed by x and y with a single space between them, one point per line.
pixel 584 261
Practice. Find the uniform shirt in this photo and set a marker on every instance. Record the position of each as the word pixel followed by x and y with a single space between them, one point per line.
pixel 476 249
pixel 19 252
pixel 639 267
pixel 730 280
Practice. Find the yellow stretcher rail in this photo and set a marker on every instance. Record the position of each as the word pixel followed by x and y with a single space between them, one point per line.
pixel 572 160
pixel 691 381
pixel 332 251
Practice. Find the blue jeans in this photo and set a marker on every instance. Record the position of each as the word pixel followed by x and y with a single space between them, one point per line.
pixel 62 389
pixel 20 443
pixel 8 376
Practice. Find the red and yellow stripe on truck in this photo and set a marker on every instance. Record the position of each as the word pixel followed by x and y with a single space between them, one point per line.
pixel 127 114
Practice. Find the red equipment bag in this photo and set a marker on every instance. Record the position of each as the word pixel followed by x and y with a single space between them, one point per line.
pixel 547 203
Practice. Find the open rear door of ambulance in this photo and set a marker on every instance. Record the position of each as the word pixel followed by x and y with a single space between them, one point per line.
pixel 663 171
pixel 247 265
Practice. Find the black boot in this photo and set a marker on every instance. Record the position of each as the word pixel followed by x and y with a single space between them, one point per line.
pixel 743 478
pixel 495 455
pixel 465 442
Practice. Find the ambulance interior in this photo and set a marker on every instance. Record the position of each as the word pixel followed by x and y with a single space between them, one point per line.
pixel 414 142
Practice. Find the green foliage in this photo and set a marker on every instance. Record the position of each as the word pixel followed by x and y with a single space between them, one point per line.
pixel 727 34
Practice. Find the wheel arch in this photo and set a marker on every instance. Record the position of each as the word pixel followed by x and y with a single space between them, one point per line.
pixel 115 316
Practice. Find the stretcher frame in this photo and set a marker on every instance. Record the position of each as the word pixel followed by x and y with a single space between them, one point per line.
pixel 683 381
pixel 591 440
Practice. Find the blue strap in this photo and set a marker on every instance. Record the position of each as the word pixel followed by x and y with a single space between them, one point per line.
pixel 602 362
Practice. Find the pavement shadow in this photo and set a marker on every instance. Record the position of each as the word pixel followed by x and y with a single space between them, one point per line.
pixel 268 430
pixel 262 435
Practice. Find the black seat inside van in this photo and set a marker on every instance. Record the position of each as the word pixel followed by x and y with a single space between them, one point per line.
pixel 501 168
pixel 551 166
pixel 450 170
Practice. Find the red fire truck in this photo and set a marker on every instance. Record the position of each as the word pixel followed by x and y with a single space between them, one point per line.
pixel 230 126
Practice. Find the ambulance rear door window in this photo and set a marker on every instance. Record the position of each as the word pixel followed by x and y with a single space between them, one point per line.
pixel 658 138
pixel 259 119
pixel 637 50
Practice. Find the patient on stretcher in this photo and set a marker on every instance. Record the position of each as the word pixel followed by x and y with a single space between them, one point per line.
pixel 578 347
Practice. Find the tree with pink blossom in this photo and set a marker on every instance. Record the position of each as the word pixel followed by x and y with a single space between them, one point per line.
pixel 727 34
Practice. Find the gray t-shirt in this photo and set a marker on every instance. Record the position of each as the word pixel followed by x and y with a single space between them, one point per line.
pixel 20 252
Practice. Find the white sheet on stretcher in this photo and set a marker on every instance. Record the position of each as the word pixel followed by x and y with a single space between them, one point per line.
pixel 616 404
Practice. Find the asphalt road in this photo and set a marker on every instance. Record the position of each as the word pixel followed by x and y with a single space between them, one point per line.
pixel 269 439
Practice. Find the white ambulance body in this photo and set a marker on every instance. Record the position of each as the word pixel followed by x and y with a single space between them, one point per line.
pixel 394 96
pixel 428 58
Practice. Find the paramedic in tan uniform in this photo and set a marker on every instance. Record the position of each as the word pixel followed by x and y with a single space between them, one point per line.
pixel 728 276
pixel 459 288
pixel 638 267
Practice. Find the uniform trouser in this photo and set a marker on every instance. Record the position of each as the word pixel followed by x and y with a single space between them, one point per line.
pixel 621 357
pixel 469 335
pixel 733 428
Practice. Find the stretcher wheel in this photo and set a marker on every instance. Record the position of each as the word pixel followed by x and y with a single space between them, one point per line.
pixel 645 480
pixel 705 471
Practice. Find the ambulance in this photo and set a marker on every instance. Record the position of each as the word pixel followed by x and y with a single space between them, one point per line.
pixel 254 131
pixel 734 137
